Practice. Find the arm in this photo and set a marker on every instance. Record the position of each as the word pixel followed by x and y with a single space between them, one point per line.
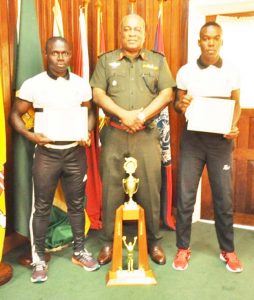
pixel 129 119
pixel 158 103
pixel 91 122
pixel 19 108
pixel 235 95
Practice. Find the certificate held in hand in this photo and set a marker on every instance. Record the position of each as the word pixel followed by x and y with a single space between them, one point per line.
pixel 65 124
pixel 213 115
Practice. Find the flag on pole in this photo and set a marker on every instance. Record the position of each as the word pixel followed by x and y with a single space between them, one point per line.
pixel 164 128
pixel 26 67
pixel 93 185
pixel 158 41
pixel 2 162
pixel 102 48
pixel 58 20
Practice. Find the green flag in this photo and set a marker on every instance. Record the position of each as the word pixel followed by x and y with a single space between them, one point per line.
pixel 28 64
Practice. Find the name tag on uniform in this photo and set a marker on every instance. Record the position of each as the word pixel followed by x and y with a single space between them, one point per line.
pixel 62 124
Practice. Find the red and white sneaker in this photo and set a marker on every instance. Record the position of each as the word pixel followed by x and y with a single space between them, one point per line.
pixel 39 273
pixel 181 260
pixel 233 263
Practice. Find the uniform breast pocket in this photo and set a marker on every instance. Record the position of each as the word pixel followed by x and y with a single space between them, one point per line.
pixel 117 82
pixel 150 80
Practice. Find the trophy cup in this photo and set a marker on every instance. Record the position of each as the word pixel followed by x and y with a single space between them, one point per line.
pixel 130 211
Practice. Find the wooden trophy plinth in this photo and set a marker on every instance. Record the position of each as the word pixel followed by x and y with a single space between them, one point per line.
pixel 143 275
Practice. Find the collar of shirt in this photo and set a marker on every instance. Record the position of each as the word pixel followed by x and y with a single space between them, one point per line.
pixel 141 55
pixel 51 75
pixel 201 65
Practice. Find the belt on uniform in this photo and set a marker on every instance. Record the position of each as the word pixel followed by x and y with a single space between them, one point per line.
pixel 61 147
pixel 119 126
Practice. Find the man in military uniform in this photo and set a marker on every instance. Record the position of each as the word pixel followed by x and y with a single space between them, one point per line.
pixel 132 85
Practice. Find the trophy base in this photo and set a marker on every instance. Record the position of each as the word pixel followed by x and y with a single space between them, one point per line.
pixel 136 277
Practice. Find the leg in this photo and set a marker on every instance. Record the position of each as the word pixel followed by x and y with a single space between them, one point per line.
pixel 73 183
pixel 114 150
pixel 46 170
pixel 145 147
pixel 72 178
pixel 192 161
pixel 219 166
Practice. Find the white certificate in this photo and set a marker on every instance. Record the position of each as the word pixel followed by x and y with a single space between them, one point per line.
pixel 210 115
pixel 62 124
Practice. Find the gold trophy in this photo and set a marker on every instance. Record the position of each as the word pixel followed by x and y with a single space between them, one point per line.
pixel 130 211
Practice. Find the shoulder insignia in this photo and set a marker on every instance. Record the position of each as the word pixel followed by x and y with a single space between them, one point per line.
pixel 102 54
pixel 162 54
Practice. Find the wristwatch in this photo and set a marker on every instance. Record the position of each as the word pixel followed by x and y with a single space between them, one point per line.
pixel 141 116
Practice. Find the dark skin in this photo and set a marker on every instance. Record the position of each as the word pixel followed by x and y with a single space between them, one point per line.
pixel 58 55
pixel 210 43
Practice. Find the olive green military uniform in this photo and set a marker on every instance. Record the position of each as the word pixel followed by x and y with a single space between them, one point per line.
pixel 131 84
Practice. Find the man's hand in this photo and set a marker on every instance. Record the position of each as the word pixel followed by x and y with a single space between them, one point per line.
pixel 130 121
pixel 184 102
pixel 39 138
pixel 86 142
pixel 232 134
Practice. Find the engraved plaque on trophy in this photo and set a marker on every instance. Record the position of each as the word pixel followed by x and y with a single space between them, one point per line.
pixel 143 275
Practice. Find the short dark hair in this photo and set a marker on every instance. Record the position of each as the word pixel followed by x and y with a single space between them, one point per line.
pixel 210 23
pixel 54 39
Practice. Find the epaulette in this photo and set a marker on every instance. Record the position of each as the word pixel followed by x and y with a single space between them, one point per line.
pixel 162 54
pixel 105 53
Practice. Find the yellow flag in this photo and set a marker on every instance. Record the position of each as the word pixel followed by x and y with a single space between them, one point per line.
pixel 2 162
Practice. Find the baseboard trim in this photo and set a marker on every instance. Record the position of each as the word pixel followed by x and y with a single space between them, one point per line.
pixel 247 227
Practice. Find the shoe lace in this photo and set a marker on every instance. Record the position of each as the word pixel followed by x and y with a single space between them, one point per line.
pixel 39 266
pixel 84 255
pixel 231 256
pixel 182 254
pixel 87 252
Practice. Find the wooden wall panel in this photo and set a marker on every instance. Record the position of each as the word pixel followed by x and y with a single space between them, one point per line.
pixel 243 175
pixel 175 39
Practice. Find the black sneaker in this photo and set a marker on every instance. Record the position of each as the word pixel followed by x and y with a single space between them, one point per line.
pixel 39 273
pixel 85 260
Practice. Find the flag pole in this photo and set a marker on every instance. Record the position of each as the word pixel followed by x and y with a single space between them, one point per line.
pixel 85 8
pixel 132 2
pixel 161 9
pixel 98 6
